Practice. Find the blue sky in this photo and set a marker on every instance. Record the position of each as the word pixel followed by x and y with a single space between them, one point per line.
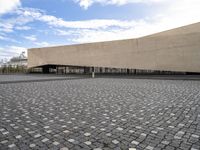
pixel 39 23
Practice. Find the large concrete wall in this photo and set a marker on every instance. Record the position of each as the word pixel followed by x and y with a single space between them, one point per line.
pixel 173 50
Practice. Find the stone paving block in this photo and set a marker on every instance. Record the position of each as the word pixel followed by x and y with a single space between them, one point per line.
pixel 100 113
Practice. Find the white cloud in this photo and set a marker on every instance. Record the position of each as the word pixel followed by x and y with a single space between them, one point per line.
pixel 19 21
pixel 87 3
pixel 34 41
pixel 2 37
pixel 31 38
pixel 23 28
pixel 8 39
pixel 8 5
pixel 63 32
pixel 17 49
pixel 27 15
pixel 91 24
pixel 169 17
pixel 11 51
pixel 175 14
pixel 5 26
pixel 96 35
pixel 43 44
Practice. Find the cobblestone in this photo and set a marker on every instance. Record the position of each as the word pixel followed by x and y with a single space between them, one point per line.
pixel 100 114
pixel 23 78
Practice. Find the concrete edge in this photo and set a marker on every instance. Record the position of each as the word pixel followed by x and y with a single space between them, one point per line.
pixel 154 78
pixel 38 80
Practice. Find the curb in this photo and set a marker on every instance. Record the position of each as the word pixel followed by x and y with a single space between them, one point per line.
pixel 38 80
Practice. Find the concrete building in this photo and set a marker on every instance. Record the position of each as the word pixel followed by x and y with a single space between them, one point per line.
pixel 176 50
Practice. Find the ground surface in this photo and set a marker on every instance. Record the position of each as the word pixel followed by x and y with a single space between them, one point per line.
pixel 100 114
pixel 33 77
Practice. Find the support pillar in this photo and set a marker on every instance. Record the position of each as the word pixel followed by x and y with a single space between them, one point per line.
pixel 128 71
pixel 45 69
pixel 56 69
pixel 93 72
pixel 135 71
pixel 100 70
pixel 65 70
pixel 85 70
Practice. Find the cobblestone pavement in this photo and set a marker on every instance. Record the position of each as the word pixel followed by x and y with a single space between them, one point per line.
pixel 100 114
pixel 34 77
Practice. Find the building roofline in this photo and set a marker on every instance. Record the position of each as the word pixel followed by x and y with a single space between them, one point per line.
pixel 115 40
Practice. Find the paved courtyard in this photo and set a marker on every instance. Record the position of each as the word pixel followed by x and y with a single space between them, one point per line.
pixel 35 77
pixel 107 114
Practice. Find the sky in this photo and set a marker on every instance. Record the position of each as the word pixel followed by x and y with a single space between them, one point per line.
pixel 41 23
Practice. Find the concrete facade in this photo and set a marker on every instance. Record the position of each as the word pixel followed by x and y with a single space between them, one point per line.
pixel 173 50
